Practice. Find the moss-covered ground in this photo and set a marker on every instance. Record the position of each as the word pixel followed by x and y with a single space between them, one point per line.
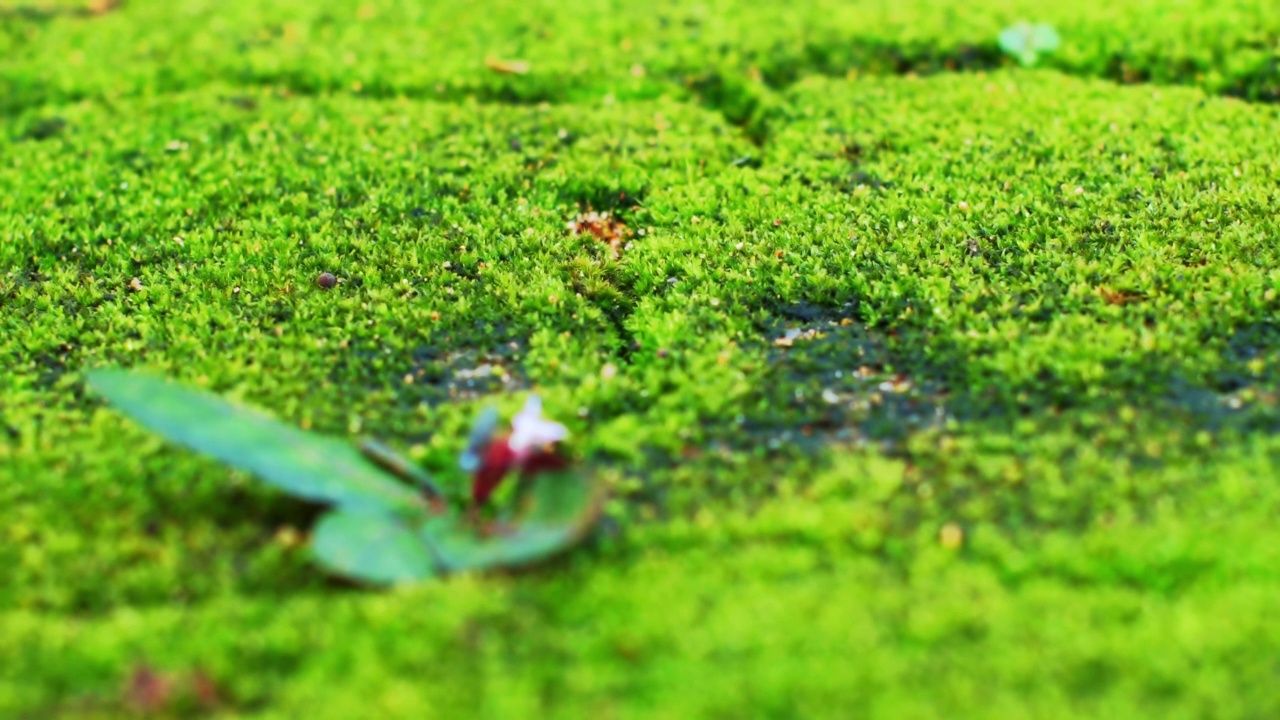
pixel 935 386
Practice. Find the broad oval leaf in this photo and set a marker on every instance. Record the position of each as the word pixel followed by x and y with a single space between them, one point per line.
pixel 308 465
pixel 371 548
pixel 561 508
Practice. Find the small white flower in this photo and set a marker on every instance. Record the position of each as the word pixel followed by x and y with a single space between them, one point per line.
pixel 529 430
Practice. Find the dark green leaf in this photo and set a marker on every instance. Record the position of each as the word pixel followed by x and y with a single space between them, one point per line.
pixel 371 548
pixel 562 508
pixel 308 465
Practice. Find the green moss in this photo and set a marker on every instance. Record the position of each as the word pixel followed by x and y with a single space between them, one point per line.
pixel 939 395
pixel 592 49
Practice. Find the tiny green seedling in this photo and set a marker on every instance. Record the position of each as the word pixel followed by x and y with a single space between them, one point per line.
pixel 381 530
pixel 1026 42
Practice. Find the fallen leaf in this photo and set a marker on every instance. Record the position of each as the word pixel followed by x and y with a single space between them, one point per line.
pixel 507 67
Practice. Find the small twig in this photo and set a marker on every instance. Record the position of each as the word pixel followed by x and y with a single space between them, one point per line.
pixel 398 465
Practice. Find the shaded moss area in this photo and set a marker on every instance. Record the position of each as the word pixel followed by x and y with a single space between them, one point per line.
pixel 929 392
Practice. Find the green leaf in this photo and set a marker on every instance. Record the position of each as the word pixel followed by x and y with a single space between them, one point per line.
pixel 1026 42
pixel 1044 38
pixel 562 507
pixel 371 548
pixel 308 465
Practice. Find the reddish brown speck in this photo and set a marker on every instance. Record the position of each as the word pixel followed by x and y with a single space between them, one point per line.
pixel 326 280
pixel 147 690
pixel 205 690
pixel 603 227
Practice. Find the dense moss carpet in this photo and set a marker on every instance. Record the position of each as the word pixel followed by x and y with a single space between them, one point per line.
pixel 935 386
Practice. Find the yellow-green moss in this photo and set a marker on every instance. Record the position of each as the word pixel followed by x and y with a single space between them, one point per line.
pixel 950 395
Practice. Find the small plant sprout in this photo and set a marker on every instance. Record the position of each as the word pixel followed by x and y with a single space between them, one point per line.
pixel 381 530
pixel 1025 42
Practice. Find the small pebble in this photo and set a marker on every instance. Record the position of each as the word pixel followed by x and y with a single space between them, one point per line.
pixel 326 280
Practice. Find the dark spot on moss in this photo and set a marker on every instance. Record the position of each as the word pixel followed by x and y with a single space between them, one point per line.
pixel 44 128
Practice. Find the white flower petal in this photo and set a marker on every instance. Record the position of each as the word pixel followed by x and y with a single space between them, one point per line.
pixel 530 430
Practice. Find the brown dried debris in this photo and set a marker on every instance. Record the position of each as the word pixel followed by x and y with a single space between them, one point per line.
pixel 102 7
pixel 507 67
pixel 1119 297
pixel 150 692
pixel 603 227
pixel 789 337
